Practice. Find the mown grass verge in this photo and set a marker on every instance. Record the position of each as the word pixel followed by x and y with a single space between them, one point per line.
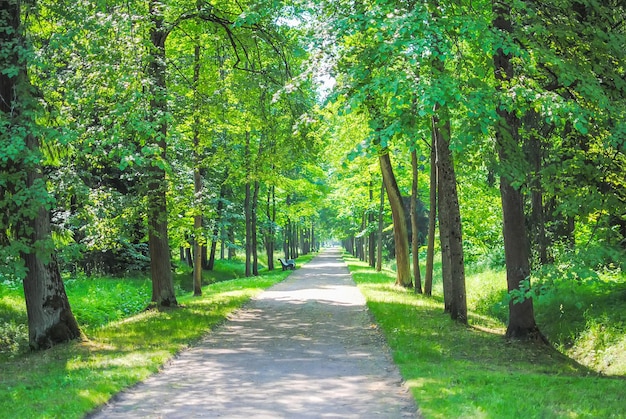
pixel 473 372
pixel 71 380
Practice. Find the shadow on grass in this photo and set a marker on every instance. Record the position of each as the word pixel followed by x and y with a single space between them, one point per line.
pixel 72 379
pixel 455 370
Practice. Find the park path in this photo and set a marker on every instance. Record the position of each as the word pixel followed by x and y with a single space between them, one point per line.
pixel 305 348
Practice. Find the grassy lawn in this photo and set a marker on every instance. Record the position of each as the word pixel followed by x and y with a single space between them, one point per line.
pixel 124 344
pixel 456 371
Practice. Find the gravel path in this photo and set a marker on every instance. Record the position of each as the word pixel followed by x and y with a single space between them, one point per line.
pixel 305 348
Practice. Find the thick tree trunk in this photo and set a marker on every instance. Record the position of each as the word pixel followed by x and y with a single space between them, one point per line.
pixel 400 233
pixel 432 220
pixel 50 318
pixel 160 258
pixel 379 236
pixel 450 216
pixel 414 225
pixel 516 248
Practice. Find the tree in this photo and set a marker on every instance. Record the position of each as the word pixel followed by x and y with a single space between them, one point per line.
pixel 163 293
pixel 516 247
pixel 197 183
pixel 400 233
pixel 450 229
pixel 23 191
pixel 414 224
pixel 432 219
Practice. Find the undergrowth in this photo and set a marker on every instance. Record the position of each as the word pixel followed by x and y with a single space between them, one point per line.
pixel 125 344
pixel 474 372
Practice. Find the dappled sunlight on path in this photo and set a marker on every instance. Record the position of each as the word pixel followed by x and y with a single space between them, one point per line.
pixel 305 348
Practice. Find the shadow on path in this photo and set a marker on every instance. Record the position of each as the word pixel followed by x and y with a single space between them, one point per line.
pixel 305 348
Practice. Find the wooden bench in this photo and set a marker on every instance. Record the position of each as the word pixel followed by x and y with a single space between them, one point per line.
pixel 288 264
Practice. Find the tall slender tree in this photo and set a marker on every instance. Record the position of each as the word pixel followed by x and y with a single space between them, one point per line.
pixel 414 224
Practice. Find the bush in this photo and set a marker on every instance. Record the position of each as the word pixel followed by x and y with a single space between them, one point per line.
pixel 129 257
pixel 13 337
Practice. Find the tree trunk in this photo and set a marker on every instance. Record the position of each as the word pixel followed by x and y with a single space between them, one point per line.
pixel 160 259
pixel 400 233
pixel 313 239
pixel 188 256
pixel 348 245
pixel 414 225
pixel 270 212
pixel 372 236
pixel 294 240
pixel 286 239
pixel 450 216
pixel 230 233
pixel 537 220
pixel 432 220
pixel 216 230
pixel 247 207
pixel 197 184
pixel 50 318
pixel 516 248
pixel 253 229
pixel 379 237
pixel 362 238
pixel 248 219
pixel 444 238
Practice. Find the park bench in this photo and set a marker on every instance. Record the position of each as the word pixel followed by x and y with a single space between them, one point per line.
pixel 288 264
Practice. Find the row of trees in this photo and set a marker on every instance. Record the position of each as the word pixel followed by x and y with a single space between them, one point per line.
pixel 529 93
pixel 137 127
pixel 142 126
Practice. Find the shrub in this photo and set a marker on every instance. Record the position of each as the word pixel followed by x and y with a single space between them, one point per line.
pixel 13 337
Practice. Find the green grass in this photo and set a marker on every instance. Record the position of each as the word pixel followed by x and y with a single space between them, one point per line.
pixel 472 371
pixel 72 379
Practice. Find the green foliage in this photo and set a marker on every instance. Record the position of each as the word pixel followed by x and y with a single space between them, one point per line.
pixel 13 337
pixel 117 354
pixel 578 305
pixel 456 371
pixel 99 301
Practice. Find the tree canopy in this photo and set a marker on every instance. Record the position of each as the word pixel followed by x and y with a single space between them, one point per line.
pixel 144 129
